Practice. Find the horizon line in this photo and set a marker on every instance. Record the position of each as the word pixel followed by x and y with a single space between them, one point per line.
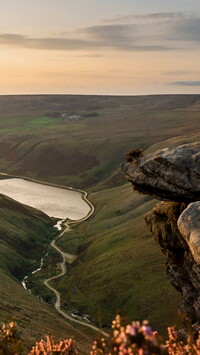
pixel 110 95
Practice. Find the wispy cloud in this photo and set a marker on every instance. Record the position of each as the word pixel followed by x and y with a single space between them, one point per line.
pixel 151 16
pixel 186 29
pixel 182 72
pixel 186 83
pixel 50 43
pixel 129 37
pixel 148 32
pixel 163 26
pixel 90 55
pixel 98 38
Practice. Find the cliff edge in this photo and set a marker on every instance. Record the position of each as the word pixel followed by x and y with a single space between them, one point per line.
pixel 173 176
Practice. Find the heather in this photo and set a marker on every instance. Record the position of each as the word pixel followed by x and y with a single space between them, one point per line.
pixel 136 338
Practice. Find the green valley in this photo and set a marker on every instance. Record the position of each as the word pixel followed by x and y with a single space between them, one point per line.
pixel 80 141
pixel 119 267
pixel 24 236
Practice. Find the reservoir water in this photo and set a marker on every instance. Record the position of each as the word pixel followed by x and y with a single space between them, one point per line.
pixel 54 201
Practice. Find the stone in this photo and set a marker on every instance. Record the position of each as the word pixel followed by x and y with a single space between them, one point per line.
pixel 170 174
pixel 189 227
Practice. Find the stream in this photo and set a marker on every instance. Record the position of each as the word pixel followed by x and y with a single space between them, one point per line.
pixel 63 272
pixel 61 202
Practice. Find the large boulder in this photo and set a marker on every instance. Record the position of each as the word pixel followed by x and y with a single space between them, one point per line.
pixel 170 174
pixel 189 227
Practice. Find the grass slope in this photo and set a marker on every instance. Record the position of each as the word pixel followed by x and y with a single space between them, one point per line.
pixel 119 266
pixel 24 234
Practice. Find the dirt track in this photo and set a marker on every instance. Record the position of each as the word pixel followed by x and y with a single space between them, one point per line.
pixel 66 256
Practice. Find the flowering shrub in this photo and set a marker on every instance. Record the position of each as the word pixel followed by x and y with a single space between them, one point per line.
pixel 131 339
pixel 10 343
pixel 49 347
pixel 139 339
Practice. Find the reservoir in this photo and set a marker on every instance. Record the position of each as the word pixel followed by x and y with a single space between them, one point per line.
pixel 54 201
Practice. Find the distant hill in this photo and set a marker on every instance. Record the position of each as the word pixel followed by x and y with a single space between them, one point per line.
pixel 24 105
pixel 40 138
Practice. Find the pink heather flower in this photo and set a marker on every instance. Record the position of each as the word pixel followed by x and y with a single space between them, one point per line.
pixel 130 330
pixel 146 329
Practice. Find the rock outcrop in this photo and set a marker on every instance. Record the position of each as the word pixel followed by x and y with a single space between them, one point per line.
pixel 173 175
pixel 189 226
pixel 168 174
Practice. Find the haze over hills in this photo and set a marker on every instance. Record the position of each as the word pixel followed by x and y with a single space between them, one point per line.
pixel 80 141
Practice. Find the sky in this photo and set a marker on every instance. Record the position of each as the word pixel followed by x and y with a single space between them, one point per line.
pixel 111 47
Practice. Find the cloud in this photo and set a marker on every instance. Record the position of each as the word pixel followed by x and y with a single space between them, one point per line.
pixel 119 37
pixel 186 83
pixel 147 32
pixel 90 55
pixel 165 26
pixel 186 29
pixel 10 38
pixel 50 43
pixel 149 16
pixel 182 72
pixel 177 72
pixel 129 37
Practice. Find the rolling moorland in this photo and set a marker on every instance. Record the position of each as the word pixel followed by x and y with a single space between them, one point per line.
pixel 80 141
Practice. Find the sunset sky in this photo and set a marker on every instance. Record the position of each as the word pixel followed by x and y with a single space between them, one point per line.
pixel 126 47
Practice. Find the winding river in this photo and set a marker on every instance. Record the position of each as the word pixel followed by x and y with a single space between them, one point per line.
pixel 61 202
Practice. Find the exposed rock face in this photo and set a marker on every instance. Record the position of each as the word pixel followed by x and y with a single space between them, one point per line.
pixel 168 174
pixel 189 226
pixel 174 175
pixel 182 270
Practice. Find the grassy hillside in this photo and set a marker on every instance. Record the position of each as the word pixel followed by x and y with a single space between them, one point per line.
pixel 24 235
pixel 80 140
pixel 35 319
pixel 119 266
